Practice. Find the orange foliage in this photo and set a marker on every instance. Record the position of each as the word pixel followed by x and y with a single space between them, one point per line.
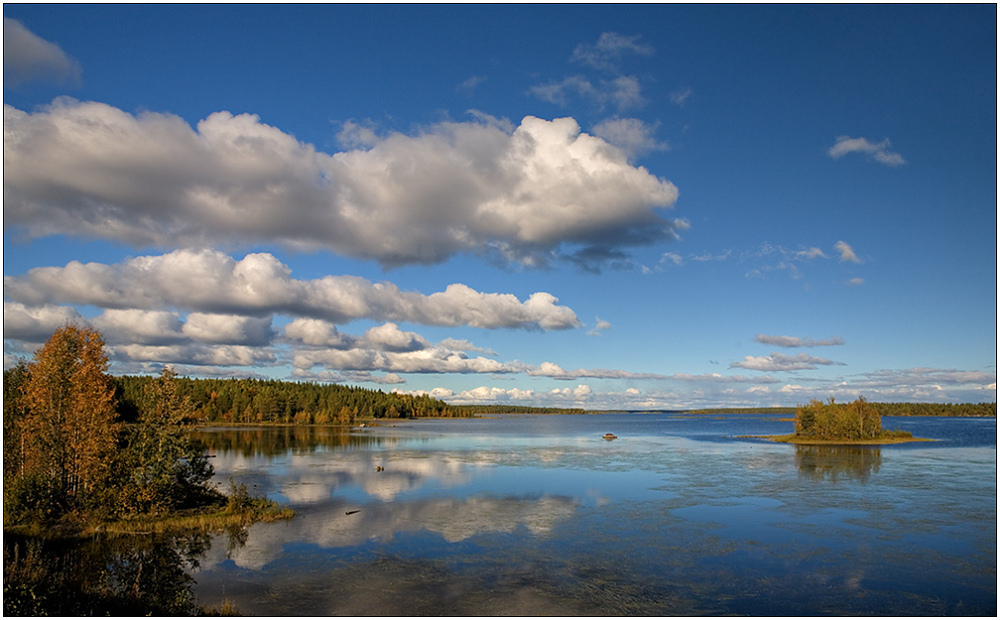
pixel 70 428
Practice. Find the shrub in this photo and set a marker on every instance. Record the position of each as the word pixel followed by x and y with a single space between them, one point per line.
pixel 856 421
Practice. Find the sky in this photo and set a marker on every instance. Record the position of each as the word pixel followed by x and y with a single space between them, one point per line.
pixel 601 206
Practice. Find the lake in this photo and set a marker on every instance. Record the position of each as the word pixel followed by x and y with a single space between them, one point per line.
pixel 539 515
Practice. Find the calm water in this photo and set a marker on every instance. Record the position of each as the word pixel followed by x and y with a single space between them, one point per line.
pixel 534 515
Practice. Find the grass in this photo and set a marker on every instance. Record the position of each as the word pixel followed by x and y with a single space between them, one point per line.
pixel 886 438
pixel 216 520
pixel 237 508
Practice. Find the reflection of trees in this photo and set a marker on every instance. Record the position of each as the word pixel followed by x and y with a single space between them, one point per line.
pixel 103 575
pixel 834 462
pixel 275 441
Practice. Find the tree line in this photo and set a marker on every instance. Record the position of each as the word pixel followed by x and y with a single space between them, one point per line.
pixel 256 401
pixel 976 410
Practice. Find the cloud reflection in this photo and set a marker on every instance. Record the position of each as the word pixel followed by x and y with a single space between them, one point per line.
pixel 328 525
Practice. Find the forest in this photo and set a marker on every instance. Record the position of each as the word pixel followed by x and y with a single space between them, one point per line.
pixel 257 401
pixel 976 410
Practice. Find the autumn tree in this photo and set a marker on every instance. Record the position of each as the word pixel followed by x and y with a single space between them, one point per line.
pixel 69 430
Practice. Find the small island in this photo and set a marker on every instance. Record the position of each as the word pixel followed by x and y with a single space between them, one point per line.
pixel 832 423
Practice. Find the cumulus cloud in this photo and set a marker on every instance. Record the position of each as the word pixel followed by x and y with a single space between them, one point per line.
pixel 146 327
pixel 779 362
pixel 195 353
pixel 847 253
pixel 26 57
pixel 714 390
pixel 880 151
pixel 795 341
pixel 355 135
pixel 542 190
pixel 384 348
pixel 228 329
pixel 36 323
pixel 435 359
pixel 211 282
pixel 389 337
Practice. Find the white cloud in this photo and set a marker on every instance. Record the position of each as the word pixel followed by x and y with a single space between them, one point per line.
pixel 469 86
pixel 26 57
pixel 634 136
pixel 714 390
pixel 880 151
pixel 778 362
pixel 354 135
pixel 601 326
pixel 671 257
pixel 147 327
pixel 389 337
pixel 626 93
pixel 228 329
pixel 855 282
pixel 560 92
pixel 927 376
pixel 430 360
pixel 384 348
pixel 622 92
pixel 813 252
pixel 847 253
pixel 608 50
pixel 212 282
pixel 795 341
pixel 195 353
pixel 554 371
pixel 89 169
pixel 35 323
pixel 680 96
pixel 318 333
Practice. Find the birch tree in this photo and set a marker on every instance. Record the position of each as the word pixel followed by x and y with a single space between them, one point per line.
pixel 70 428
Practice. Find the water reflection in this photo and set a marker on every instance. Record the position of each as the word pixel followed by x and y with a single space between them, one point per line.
pixel 280 440
pixel 541 516
pixel 117 575
pixel 833 463
pixel 310 478
pixel 338 524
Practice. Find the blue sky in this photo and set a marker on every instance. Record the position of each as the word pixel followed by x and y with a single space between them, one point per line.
pixel 639 207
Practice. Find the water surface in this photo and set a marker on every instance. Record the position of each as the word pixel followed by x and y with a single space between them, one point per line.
pixel 534 515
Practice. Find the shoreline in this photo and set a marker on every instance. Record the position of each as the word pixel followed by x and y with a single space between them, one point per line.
pixel 807 441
